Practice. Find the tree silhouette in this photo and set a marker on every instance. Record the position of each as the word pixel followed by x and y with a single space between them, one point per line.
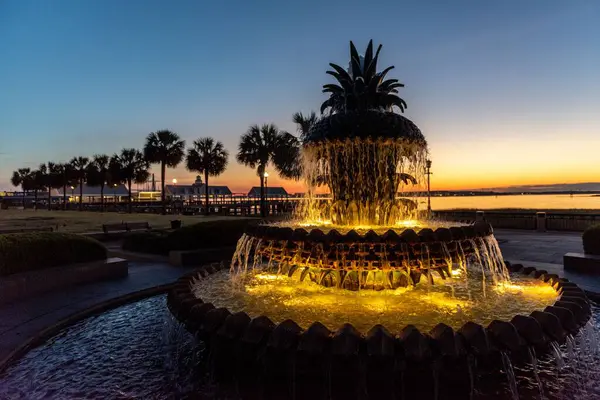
pixel 167 149
pixel 207 157
pixel 98 174
pixel 79 166
pixel 262 145
pixel 128 167
pixel 24 178
pixel 304 123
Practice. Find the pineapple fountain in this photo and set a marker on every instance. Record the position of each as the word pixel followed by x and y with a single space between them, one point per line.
pixel 363 285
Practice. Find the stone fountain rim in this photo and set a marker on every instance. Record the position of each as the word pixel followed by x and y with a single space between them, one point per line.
pixel 571 310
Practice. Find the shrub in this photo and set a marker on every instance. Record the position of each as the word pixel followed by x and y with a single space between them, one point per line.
pixel 203 235
pixel 21 252
pixel 146 242
pixel 207 235
pixel 591 240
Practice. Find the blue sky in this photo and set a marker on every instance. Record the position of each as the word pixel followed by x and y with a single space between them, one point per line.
pixel 506 92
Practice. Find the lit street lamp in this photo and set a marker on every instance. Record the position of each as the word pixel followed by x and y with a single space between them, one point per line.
pixel 266 199
pixel 428 173
pixel 174 181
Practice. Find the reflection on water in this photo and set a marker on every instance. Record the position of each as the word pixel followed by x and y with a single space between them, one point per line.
pixel 536 202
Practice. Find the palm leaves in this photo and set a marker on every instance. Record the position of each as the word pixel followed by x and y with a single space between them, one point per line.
pixel 79 167
pixel 23 177
pixel 304 123
pixel 167 149
pixel 209 158
pixel 98 174
pixel 264 145
pixel 129 166
pixel 362 87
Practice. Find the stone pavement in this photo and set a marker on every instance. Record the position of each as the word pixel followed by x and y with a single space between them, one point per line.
pixel 546 247
pixel 21 320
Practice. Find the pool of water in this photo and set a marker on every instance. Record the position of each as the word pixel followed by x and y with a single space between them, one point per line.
pixel 138 351
pixel 453 301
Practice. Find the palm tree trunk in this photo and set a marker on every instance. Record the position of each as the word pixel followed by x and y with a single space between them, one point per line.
pixel 35 192
pixel 65 197
pixel 206 210
pixel 162 182
pixel 80 194
pixel 129 200
pixel 49 198
pixel 23 199
pixel 262 196
pixel 102 197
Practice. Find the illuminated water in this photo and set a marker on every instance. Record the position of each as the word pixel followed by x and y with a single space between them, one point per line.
pixel 535 202
pixel 138 351
pixel 454 303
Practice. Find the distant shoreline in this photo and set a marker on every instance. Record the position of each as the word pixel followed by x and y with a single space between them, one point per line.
pixel 524 210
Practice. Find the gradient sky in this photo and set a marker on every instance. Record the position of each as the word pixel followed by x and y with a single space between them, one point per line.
pixel 506 92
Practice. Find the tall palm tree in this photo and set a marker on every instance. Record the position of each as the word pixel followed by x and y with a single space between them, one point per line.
pixel 80 165
pixel 39 183
pixel 64 176
pixel 362 87
pixel 55 176
pixel 209 158
pixel 24 178
pixel 304 123
pixel 266 144
pixel 129 166
pixel 167 149
pixel 98 174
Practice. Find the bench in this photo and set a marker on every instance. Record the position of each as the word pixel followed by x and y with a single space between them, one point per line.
pixel 23 230
pixel 125 227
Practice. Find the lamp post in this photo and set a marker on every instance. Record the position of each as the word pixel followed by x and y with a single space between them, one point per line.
pixel 114 187
pixel 428 173
pixel 72 192
pixel 266 175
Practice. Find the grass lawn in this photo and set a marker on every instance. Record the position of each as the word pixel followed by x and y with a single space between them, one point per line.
pixel 79 222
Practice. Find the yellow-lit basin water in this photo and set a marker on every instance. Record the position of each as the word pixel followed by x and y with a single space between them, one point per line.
pixel 455 302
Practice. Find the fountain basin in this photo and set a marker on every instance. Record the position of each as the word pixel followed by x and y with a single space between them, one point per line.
pixel 241 341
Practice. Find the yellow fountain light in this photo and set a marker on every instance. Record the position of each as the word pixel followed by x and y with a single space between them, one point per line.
pixel 533 290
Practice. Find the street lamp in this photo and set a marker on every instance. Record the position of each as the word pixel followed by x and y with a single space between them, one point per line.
pixel 266 199
pixel 174 181
pixel 428 173
pixel 72 190
pixel 114 186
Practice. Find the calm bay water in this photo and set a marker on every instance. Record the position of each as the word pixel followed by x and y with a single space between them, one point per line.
pixel 536 202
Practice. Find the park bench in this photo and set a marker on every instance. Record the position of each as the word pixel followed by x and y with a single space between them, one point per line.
pixel 125 227
pixel 23 230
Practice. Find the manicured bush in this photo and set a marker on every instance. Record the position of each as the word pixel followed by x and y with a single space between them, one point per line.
pixel 146 242
pixel 591 240
pixel 207 235
pixel 204 235
pixel 21 252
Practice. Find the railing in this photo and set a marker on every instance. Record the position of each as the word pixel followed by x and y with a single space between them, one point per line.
pixel 532 220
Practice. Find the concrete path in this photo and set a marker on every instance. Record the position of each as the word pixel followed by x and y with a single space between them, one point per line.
pixel 546 247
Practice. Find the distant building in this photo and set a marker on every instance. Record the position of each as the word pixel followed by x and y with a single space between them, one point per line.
pixel 91 194
pixel 195 191
pixel 271 192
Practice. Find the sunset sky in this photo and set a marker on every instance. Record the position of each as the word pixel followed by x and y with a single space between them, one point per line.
pixel 506 92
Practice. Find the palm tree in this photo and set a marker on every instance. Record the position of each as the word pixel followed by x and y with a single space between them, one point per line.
pixel 44 176
pixel 39 183
pixel 64 176
pixel 362 87
pixel 167 149
pixel 24 178
pixel 80 165
pixel 98 174
pixel 209 158
pixel 260 146
pixel 129 166
pixel 55 174
pixel 304 123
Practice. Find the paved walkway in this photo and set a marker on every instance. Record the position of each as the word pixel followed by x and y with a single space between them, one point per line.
pixel 21 320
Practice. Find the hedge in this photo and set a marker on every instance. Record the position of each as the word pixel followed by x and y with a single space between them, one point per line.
pixel 591 240
pixel 20 252
pixel 204 235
